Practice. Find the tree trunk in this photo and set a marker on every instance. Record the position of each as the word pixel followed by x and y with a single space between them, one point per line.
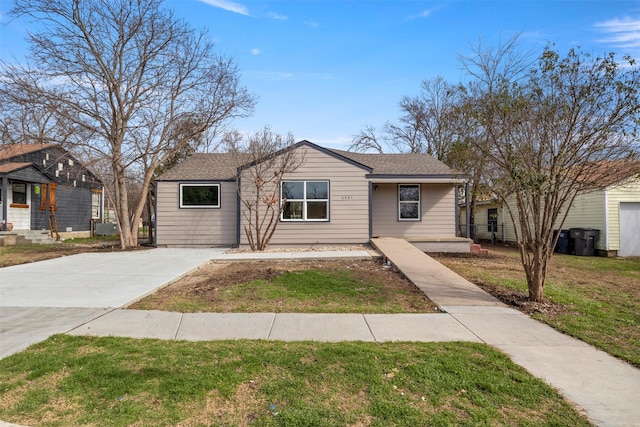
pixel 127 238
pixel 536 271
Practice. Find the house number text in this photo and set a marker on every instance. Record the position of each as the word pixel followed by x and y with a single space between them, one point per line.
pixel 347 197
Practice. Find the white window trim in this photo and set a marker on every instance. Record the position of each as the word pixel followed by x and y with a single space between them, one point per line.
pixel 419 202
pixel 305 200
pixel 209 184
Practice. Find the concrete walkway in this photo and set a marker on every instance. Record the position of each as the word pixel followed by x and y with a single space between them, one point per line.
pixel 607 389
pixel 604 387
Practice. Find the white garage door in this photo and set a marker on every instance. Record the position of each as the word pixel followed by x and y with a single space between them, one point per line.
pixel 629 229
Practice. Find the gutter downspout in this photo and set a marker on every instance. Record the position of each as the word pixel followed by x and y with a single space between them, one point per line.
pixel 238 183
pixel 370 210
pixel 155 218
pixel 5 205
pixel 606 221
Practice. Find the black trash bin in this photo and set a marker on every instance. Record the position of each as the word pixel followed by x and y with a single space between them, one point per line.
pixel 562 246
pixel 584 240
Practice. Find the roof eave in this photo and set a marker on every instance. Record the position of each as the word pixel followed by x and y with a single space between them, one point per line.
pixel 431 178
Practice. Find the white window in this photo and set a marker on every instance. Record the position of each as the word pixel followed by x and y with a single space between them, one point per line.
pixel 409 202
pixel 96 203
pixel 199 195
pixel 305 200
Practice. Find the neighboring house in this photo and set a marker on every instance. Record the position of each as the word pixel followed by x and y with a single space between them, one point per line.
pixel 356 197
pixel 489 219
pixel 613 209
pixel 37 179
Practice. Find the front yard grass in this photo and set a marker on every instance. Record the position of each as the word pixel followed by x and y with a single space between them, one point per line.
pixel 594 299
pixel 116 382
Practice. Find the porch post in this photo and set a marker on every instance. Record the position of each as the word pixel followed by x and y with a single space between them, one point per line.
pixel 456 200
pixel 5 204
pixel 468 208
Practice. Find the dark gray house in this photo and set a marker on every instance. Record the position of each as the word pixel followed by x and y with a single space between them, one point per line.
pixel 40 179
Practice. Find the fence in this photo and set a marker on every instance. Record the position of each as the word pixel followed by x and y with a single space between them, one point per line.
pixel 487 232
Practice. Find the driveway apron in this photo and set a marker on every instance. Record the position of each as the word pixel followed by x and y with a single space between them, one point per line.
pixel 43 298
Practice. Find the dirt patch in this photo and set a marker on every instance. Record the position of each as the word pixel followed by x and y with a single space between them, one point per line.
pixel 520 300
pixel 214 286
pixel 24 254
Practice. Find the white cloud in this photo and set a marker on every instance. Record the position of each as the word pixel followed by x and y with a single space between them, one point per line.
pixel 277 16
pixel 623 32
pixel 423 14
pixel 228 5
pixel 311 24
pixel 256 51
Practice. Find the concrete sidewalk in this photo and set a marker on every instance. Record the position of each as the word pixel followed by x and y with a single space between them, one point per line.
pixel 277 326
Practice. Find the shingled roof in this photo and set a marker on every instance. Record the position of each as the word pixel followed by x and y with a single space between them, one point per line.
pixel 7 151
pixel 201 166
pixel 399 164
pixel 221 166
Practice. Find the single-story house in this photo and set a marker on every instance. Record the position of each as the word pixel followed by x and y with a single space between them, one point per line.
pixel 613 208
pixel 38 180
pixel 355 197
pixel 489 219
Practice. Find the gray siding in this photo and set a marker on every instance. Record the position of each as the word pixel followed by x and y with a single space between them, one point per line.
pixel 437 207
pixel 74 209
pixel 195 227
pixel 348 204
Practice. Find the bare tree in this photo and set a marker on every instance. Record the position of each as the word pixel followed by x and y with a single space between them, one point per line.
pixel 263 160
pixel 549 133
pixel 367 141
pixel 128 74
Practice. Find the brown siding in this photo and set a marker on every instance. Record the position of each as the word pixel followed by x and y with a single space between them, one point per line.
pixel 195 227
pixel 348 205
pixel 437 206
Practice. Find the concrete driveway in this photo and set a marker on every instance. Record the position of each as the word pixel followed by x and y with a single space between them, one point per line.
pixel 44 298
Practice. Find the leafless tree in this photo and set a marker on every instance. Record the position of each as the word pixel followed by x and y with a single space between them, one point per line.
pixel 128 75
pixel 549 132
pixel 367 141
pixel 263 160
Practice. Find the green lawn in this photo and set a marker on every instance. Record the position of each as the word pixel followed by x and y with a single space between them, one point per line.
pixel 600 296
pixel 295 287
pixel 116 382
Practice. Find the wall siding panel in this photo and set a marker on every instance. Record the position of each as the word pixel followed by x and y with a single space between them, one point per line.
pixel 74 209
pixel 437 206
pixel 586 211
pixel 348 205
pixel 195 227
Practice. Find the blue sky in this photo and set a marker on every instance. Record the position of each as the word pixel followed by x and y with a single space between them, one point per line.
pixel 322 70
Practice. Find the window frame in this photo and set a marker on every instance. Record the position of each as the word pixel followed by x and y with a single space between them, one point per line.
pixel 181 203
pixel 492 223
pixel 406 202
pixel 305 201
pixel 23 185
pixel 96 204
